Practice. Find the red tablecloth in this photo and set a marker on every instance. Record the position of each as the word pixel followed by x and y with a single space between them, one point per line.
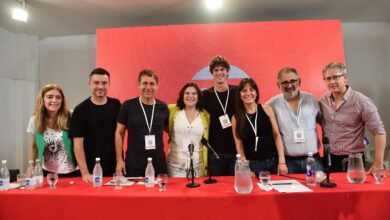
pixel 218 201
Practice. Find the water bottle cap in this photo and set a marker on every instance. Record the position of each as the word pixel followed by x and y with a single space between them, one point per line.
pixel 149 159
pixel 238 155
pixel 97 159
pixel 4 161
pixel 310 154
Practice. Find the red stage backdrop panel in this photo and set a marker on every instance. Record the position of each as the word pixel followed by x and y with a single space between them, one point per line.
pixel 178 53
pixel 181 53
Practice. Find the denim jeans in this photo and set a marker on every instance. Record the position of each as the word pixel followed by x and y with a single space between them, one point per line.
pixel 270 165
pixel 298 165
pixel 222 167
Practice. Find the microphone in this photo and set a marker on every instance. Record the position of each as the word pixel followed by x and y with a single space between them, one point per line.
pixel 192 170
pixel 325 142
pixel 206 143
pixel 328 164
pixel 191 149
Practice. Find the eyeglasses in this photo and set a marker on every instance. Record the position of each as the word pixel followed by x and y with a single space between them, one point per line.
pixel 292 82
pixel 335 77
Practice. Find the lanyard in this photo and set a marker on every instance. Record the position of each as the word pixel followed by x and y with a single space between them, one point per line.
pixel 146 117
pixel 292 112
pixel 254 128
pixel 219 100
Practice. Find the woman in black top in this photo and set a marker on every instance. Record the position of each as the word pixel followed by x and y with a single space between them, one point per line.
pixel 256 131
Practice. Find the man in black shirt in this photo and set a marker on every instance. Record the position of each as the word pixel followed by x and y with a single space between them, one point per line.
pixel 144 118
pixel 219 102
pixel 93 127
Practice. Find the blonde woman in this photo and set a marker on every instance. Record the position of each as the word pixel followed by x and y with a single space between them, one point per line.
pixel 48 131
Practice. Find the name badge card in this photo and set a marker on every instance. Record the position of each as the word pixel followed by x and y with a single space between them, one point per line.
pixel 225 121
pixel 150 142
pixel 299 135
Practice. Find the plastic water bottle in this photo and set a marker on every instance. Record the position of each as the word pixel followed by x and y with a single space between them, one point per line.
pixel 4 176
pixel 310 170
pixel 149 174
pixel 38 173
pixel 97 175
pixel 30 176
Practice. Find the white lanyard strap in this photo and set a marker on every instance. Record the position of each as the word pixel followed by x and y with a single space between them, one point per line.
pixel 219 100
pixel 292 112
pixel 254 128
pixel 146 117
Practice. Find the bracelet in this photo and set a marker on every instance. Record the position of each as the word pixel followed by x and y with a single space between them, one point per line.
pixel 282 163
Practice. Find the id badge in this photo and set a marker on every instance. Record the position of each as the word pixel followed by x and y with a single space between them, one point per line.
pixel 225 121
pixel 150 142
pixel 256 143
pixel 299 135
pixel 185 143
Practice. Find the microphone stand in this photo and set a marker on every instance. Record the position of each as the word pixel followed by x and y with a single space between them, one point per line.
pixel 209 180
pixel 327 183
pixel 192 171
pixel 215 155
pixel 328 164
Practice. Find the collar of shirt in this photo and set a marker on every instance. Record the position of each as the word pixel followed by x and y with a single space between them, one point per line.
pixel 346 96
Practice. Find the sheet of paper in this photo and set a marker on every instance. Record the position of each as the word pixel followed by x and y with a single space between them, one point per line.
pixel 125 182
pixel 265 188
pixel 288 186
pixel 14 186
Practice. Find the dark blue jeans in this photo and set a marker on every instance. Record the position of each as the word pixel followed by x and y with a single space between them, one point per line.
pixel 222 167
pixel 298 164
pixel 270 165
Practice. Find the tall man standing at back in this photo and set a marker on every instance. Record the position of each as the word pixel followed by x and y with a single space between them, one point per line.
pixel 144 118
pixel 346 114
pixel 93 127
pixel 297 114
pixel 219 102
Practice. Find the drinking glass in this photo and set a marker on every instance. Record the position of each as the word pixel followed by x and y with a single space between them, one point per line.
pixel 21 178
pixel 265 178
pixel 162 180
pixel 117 177
pixel 52 179
pixel 379 174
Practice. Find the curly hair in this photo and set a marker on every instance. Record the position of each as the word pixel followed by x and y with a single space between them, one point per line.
pixel 219 61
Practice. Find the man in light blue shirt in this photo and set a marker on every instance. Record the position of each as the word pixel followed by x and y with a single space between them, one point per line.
pixel 297 113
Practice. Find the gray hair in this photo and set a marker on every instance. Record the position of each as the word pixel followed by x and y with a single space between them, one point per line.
pixel 335 65
pixel 286 69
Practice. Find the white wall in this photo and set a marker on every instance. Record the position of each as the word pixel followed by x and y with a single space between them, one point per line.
pixel 367 49
pixel 19 62
pixel 68 61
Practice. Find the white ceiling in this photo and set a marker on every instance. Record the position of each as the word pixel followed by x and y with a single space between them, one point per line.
pixel 69 17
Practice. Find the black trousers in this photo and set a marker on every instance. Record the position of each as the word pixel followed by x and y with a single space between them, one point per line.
pixel 337 163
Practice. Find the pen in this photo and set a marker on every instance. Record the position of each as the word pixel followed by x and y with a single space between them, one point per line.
pixel 281 184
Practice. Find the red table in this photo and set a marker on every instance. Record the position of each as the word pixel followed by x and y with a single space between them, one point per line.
pixel 216 201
